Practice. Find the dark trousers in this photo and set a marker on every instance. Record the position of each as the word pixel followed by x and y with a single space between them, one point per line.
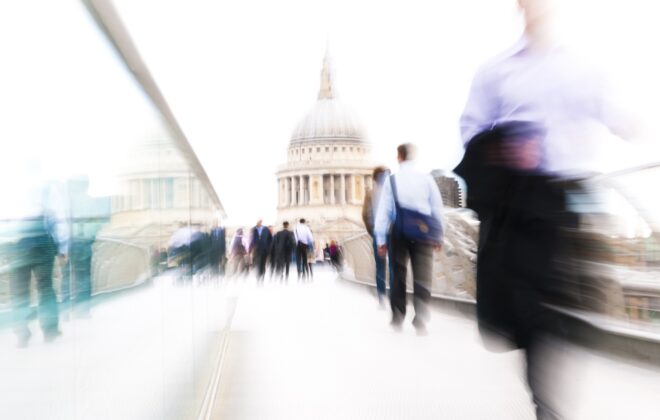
pixel 260 259
pixel 282 265
pixel 301 259
pixel 381 264
pixel 421 258
pixel 33 256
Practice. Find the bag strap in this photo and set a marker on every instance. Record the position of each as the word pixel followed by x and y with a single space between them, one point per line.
pixel 394 194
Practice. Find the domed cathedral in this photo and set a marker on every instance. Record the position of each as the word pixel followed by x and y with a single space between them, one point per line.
pixel 328 168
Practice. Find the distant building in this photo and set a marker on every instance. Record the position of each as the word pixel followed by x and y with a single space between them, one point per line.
pixel 450 189
pixel 328 168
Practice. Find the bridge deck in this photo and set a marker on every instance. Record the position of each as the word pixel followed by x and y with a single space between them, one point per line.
pixel 325 351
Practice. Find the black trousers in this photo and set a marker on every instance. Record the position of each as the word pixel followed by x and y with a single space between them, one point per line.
pixel 421 258
pixel 282 264
pixel 260 259
pixel 301 259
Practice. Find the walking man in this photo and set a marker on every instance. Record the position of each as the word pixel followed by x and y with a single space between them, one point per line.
pixel 260 248
pixel 410 193
pixel 371 199
pixel 284 243
pixel 525 124
pixel 304 238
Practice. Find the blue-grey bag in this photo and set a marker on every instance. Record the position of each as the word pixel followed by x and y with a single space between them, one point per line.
pixel 413 225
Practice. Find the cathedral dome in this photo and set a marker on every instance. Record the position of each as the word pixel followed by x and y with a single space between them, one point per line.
pixel 329 119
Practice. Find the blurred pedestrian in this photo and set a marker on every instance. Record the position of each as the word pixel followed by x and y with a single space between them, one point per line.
pixel 260 248
pixel 303 237
pixel 369 208
pixel 218 249
pixel 411 203
pixel 525 124
pixel 237 263
pixel 284 244
pixel 34 229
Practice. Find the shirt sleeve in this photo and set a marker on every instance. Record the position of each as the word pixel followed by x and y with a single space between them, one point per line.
pixel 481 108
pixel 385 213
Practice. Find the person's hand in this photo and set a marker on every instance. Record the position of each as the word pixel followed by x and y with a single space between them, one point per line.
pixel 382 250
pixel 438 247
pixel 519 154
pixel 62 258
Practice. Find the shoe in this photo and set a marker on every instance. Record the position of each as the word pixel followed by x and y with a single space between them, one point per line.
pixel 420 326
pixel 50 336
pixel 23 339
pixel 397 322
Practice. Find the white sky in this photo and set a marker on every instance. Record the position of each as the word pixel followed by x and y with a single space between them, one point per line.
pixel 239 75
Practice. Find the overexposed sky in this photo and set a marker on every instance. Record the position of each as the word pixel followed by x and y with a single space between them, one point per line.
pixel 240 75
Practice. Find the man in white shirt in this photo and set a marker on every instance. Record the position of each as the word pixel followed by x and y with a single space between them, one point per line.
pixel 304 239
pixel 528 120
pixel 415 190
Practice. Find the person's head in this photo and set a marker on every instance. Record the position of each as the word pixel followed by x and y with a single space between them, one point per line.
pixel 285 225
pixel 239 232
pixel 377 174
pixel 538 13
pixel 259 222
pixel 405 152
pixel 302 221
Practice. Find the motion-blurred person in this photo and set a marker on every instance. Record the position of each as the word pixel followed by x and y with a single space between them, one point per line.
pixel 333 252
pixel 178 247
pixel 218 250
pixel 260 248
pixel 33 230
pixel 411 201
pixel 237 255
pixel 369 208
pixel 525 124
pixel 88 215
pixel 311 260
pixel 284 243
pixel 303 237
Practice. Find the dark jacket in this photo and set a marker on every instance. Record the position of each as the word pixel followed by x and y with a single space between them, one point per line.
pixel 519 238
pixel 284 243
pixel 260 244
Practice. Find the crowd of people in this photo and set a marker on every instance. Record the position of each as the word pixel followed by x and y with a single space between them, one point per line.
pixel 268 252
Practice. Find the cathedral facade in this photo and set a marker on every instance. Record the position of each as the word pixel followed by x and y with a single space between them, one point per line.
pixel 328 168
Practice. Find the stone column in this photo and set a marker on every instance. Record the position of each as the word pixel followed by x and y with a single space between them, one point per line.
pixel 287 192
pixel 332 188
pixel 301 189
pixel 342 189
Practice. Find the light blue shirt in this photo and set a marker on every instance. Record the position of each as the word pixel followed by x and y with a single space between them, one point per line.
pixel 416 190
pixel 552 88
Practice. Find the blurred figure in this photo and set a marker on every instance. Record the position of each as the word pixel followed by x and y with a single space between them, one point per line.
pixel 333 253
pixel 311 260
pixel 88 215
pixel 369 208
pixel 525 124
pixel 33 230
pixel 260 248
pixel 284 243
pixel 415 193
pixel 179 250
pixel 237 255
pixel 303 237
pixel 218 250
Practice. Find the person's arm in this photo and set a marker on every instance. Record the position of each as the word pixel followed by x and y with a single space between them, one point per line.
pixel 482 106
pixel 385 214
